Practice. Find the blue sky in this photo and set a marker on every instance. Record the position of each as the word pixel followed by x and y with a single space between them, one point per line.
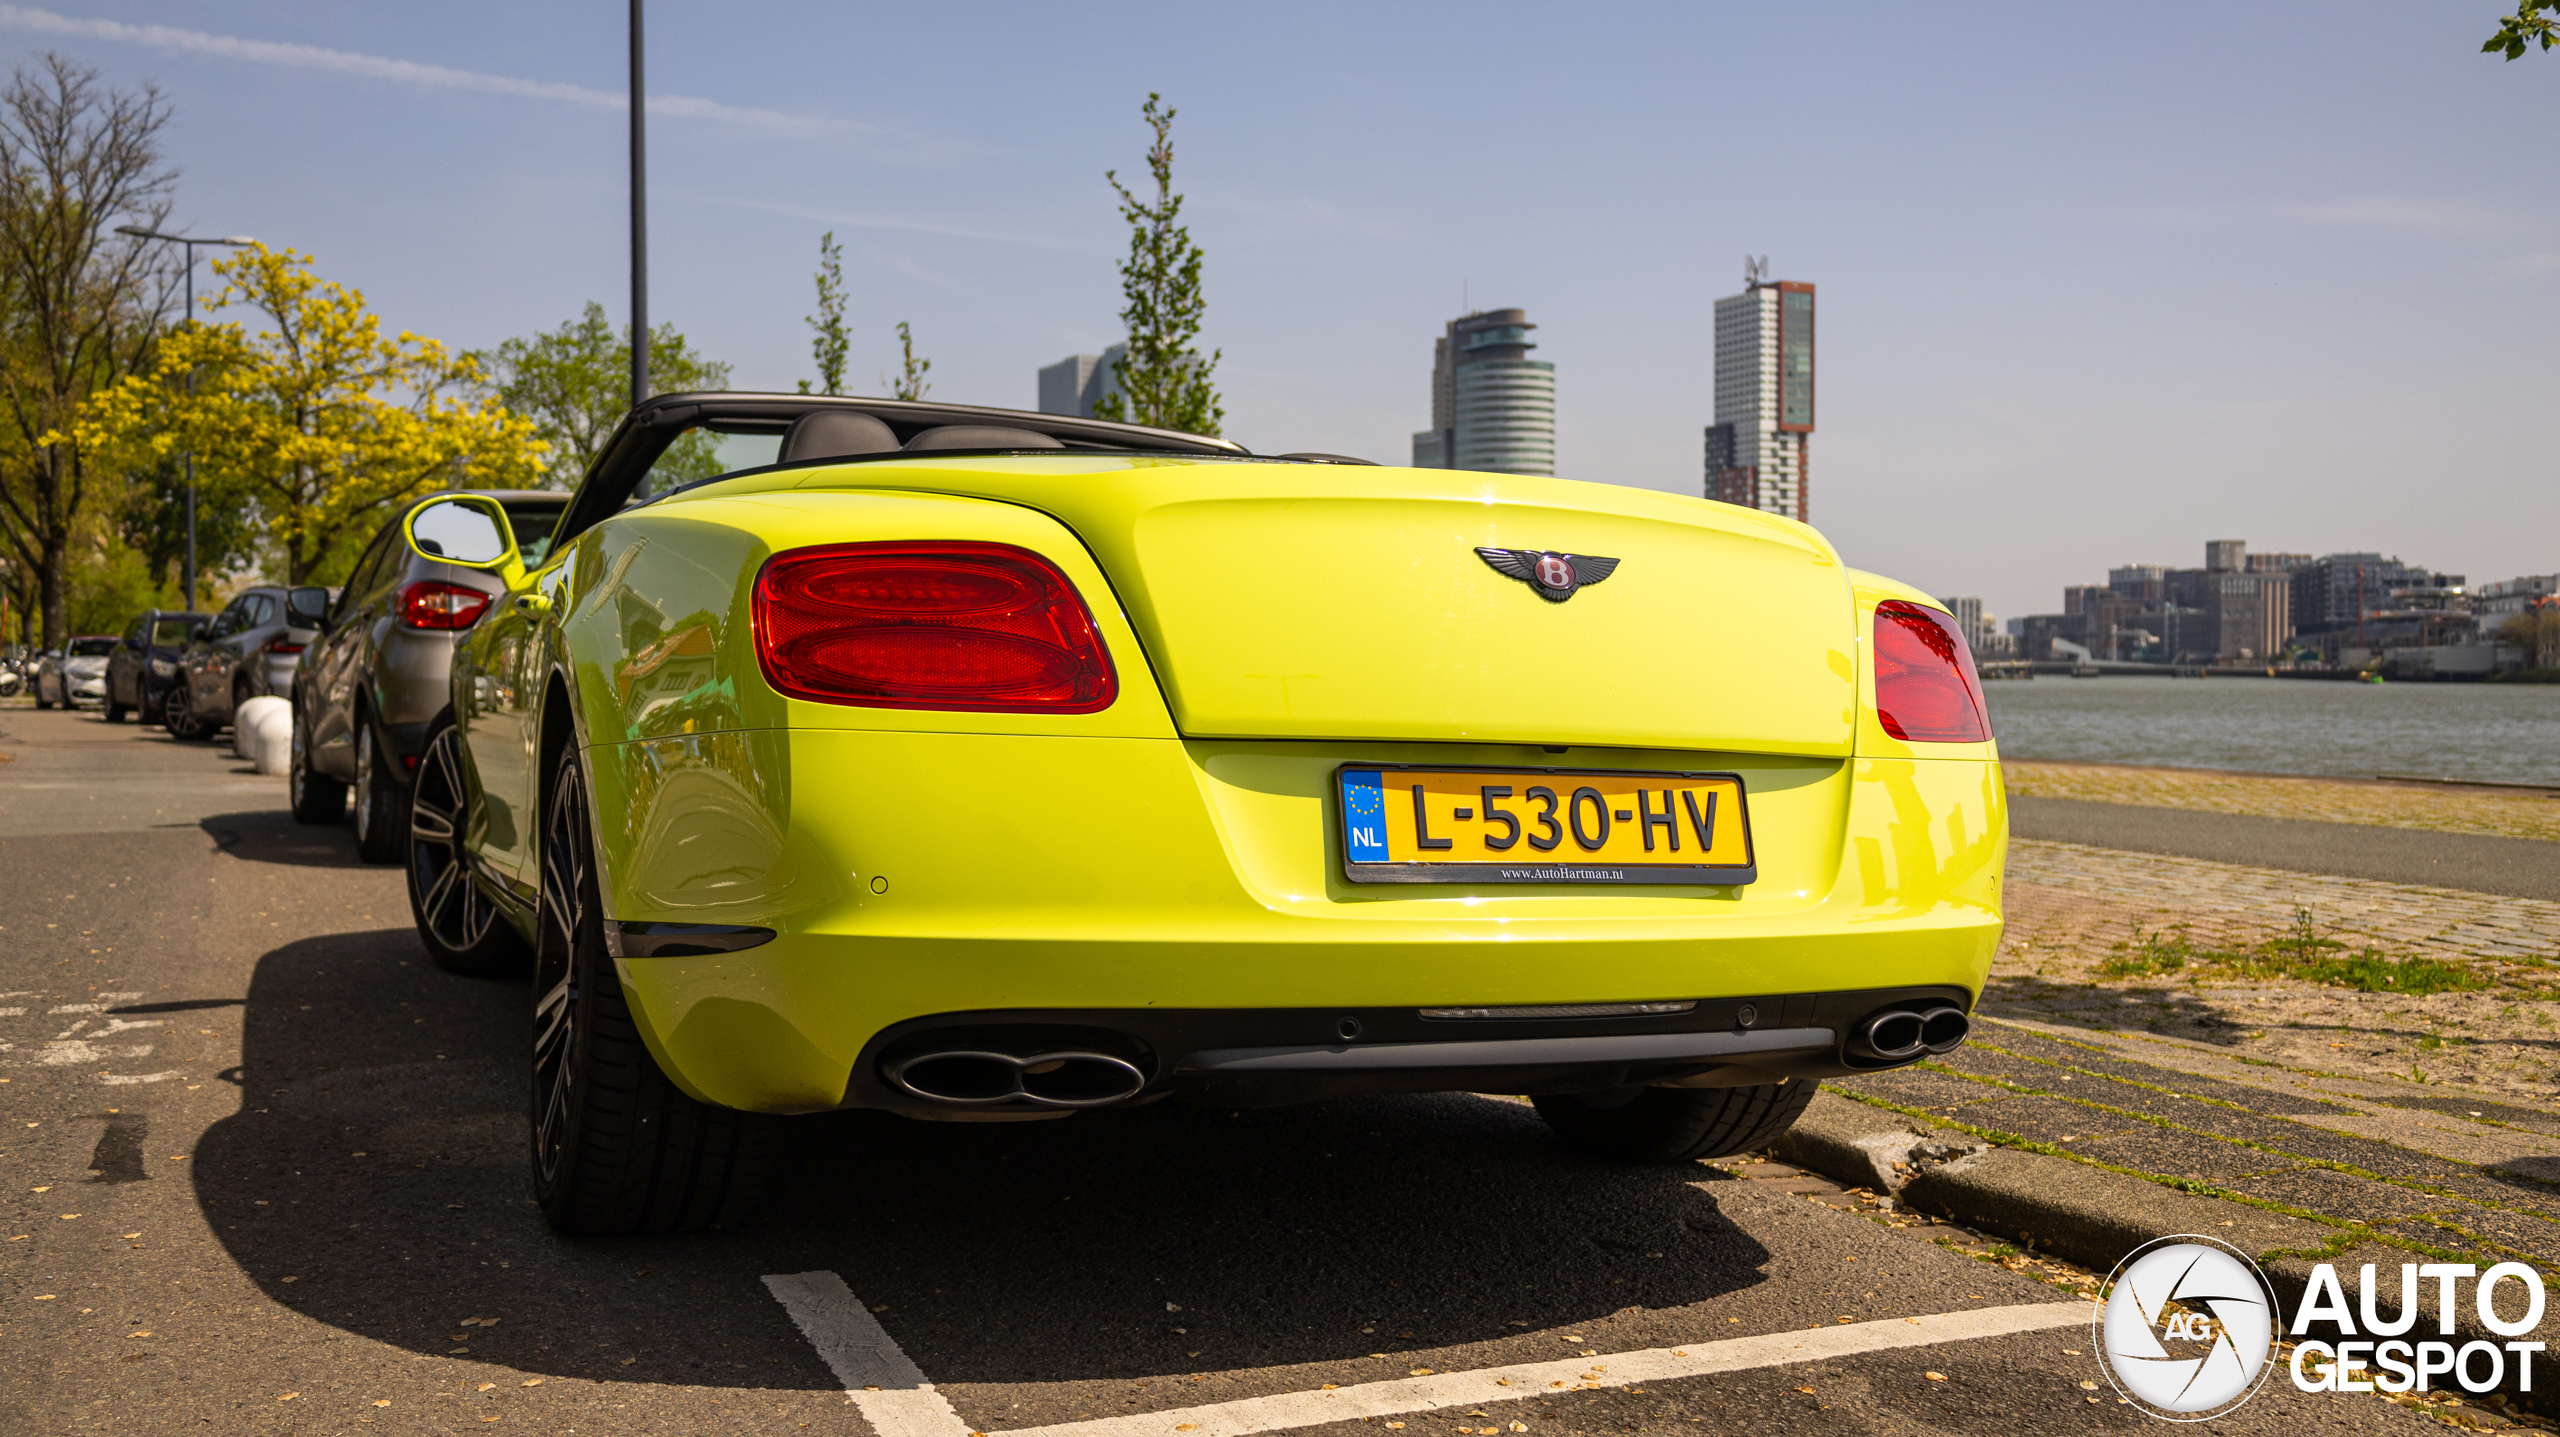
pixel 2098 283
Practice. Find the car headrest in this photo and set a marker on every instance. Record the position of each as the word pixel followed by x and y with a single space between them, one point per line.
pixel 981 436
pixel 834 433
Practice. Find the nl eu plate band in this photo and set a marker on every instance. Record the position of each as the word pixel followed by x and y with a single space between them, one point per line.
pixel 1459 823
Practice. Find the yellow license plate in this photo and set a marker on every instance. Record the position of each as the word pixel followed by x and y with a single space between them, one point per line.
pixel 1412 824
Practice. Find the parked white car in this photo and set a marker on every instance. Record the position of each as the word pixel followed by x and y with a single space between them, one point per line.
pixel 75 673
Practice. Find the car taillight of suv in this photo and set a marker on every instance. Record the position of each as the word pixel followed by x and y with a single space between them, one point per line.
pixel 435 604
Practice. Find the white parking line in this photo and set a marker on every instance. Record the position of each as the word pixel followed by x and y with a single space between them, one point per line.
pixel 895 1398
pixel 890 1391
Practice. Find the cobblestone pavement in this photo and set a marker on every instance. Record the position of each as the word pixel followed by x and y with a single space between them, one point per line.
pixel 2072 908
pixel 2425 1122
pixel 2379 1161
pixel 2329 800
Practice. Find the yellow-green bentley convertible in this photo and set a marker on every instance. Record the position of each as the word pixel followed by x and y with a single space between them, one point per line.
pixel 982 765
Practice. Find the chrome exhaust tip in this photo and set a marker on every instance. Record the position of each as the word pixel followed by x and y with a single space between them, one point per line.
pixel 1943 1030
pixel 979 1079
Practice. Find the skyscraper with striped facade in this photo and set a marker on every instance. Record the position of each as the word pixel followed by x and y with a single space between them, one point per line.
pixel 1493 408
pixel 1759 450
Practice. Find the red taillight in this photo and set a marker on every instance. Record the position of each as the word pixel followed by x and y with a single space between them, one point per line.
pixel 435 604
pixel 983 627
pixel 1927 690
pixel 283 645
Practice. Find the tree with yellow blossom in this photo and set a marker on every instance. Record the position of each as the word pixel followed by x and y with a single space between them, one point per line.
pixel 313 417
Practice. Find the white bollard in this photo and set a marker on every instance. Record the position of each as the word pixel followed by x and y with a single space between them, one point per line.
pixel 262 732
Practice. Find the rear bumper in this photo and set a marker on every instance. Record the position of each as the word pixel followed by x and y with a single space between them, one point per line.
pixel 1256 1058
pixel 1185 899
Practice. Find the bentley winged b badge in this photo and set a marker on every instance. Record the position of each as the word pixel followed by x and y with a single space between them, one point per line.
pixel 1555 576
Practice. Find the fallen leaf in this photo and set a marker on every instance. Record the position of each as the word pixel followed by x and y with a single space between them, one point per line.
pixel 1519 1426
pixel 384 1401
pixel 1555 1384
pixel 42 1297
pixel 1806 1391
pixel 1420 1371
pixel 459 1352
pixel 1502 1382
pixel 485 1386
pixel 1186 1426
pixel 289 1279
pixel 48 1187
pixel 66 1217
pixel 1395 1424
pixel 629 1360
pixel 137 1334
pixel 537 1382
pixel 1328 1387
pixel 288 1397
pixel 1679 1352
pixel 1935 1376
pixel 22 1237
pixel 2088 1386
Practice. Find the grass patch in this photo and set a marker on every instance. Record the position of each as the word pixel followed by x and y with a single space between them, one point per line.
pixel 2299 952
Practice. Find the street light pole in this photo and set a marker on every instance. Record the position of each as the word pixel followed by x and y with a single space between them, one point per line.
pixel 189 244
pixel 639 221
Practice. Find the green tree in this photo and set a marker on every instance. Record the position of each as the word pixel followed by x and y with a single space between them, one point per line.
pixel 832 343
pixel 153 524
pixel 910 382
pixel 80 306
pixel 574 383
pixel 317 418
pixel 1163 379
pixel 2533 20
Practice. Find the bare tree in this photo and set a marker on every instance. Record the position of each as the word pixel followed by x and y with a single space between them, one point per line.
pixel 79 304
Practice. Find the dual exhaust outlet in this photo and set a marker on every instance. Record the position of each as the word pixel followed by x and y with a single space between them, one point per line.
pixel 976 1078
pixel 1898 1035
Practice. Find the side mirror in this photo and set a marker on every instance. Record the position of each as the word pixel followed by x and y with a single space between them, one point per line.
pixel 467 530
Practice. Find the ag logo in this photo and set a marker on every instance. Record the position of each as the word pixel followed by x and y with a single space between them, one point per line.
pixel 2188 1329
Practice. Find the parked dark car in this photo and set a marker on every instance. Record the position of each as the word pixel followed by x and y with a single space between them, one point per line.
pixel 76 673
pixel 145 664
pixel 251 648
pixel 377 676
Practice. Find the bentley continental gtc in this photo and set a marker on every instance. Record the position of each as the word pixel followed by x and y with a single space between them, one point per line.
pixel 980 765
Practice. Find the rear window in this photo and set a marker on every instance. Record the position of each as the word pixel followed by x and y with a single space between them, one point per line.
pixel 92 648
pixel 173 632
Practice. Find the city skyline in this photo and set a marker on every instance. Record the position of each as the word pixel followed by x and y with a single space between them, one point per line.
pixel 2112 286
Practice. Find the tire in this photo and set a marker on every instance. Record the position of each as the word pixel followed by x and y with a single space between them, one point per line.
pixel 382 809
pixel 617 1150
pixel 462 930
pixel 1675 1125
pixel 178 716
pixel 317 798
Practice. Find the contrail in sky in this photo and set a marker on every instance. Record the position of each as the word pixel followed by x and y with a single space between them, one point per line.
pixel 409 72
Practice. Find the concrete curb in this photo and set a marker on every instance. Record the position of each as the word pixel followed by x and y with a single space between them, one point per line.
pixel 2082 1214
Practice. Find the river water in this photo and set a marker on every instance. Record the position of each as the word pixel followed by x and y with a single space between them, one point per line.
pixel 2507 732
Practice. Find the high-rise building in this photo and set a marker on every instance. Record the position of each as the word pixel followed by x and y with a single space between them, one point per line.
pixel 2337 591
pixel 1758 450
pixel 2225 556
pixel 1075 384
pixel 1493 408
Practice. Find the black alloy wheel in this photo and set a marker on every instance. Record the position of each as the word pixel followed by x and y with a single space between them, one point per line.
pixel 1675 1125
pixel 617 1148
pixel 316 797
pixel 178 716
pixel 382 810
pixel 461 928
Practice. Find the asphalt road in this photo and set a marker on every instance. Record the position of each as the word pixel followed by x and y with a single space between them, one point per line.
pixel 2478 863
pixel 260 1161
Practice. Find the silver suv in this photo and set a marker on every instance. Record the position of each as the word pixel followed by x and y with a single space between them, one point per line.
pixel 376 676
pixel 249 650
